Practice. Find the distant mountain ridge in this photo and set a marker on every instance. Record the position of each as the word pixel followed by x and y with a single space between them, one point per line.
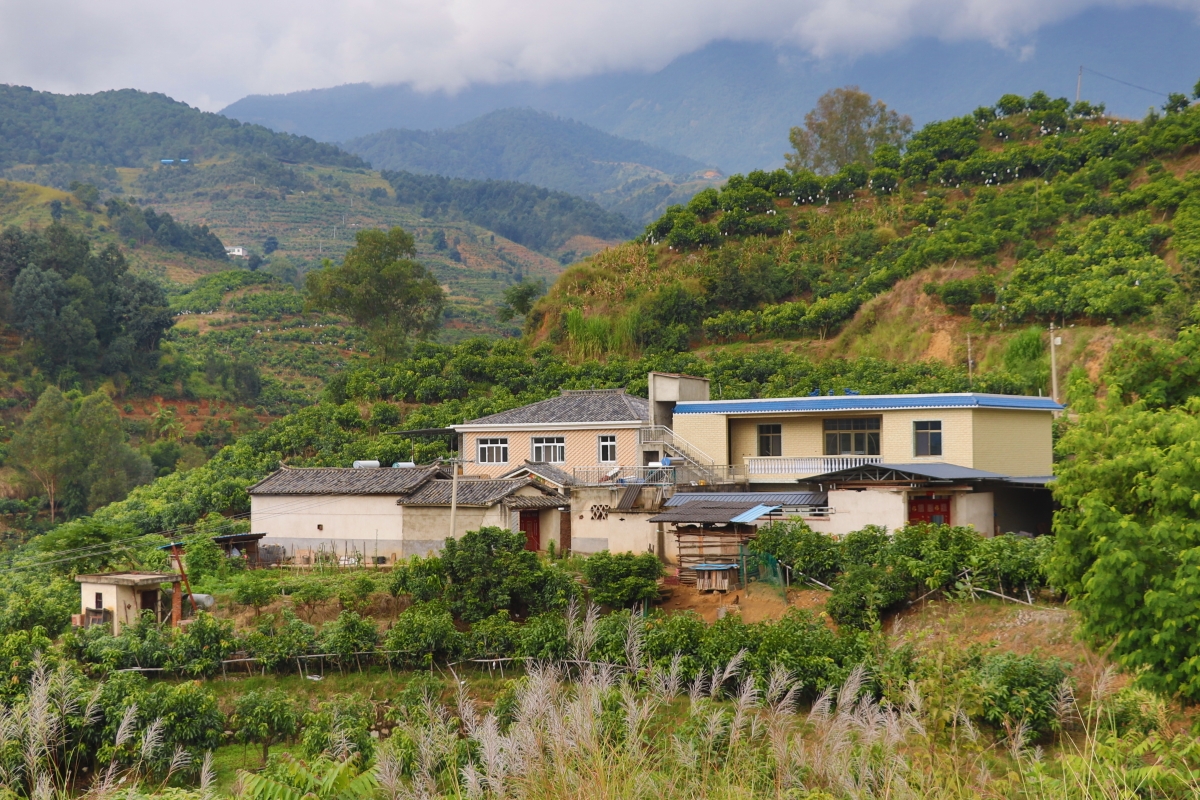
pixel 521 144
pixel 731 103
pixel 130 128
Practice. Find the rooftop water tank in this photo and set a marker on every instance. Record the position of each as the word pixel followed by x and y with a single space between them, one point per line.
pixel 366 465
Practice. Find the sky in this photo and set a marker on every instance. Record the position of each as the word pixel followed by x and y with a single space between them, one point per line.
pixel 212 53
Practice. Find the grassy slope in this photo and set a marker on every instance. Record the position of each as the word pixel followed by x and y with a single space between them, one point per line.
pixel 902 323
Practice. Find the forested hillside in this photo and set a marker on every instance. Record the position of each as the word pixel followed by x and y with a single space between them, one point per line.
pixel 1027 212
pixel 128 128
pixel 622 175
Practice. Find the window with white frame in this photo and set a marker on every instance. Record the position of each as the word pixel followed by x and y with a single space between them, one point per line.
pixel 927 438
pixel 493 451
pixel 608 449
pixel 549 449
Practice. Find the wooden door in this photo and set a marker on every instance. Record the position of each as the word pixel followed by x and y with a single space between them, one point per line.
pixel 531 527
pixel 929 509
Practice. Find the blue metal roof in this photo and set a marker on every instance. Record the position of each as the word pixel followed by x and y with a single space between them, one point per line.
pixel 868 402
pixel 754 513
pixel 742 498
pixel 715 567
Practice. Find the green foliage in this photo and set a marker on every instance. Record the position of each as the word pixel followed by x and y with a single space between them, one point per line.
pixel 543 637
pixel 264 717
pixel 278 643
pixel 203 558
pixel 1021 689
pixel 490 570
pixel 324 779
pixel 536 218
pixel 620 580
pixel 128 128
pixel 143 226
pixel 255 589
pixel 207 293
pixel 29 600
pixel 309 593
pixel 19 651
pixel 814 555
pixel 519 298
pixel 347 720
pixel 83 309
pixel 349 635
pixel 382 290
pixel 845 128
pixel 1127 539
pixel 422 579
pixel 144 644
pixel 200 647
pixel 493 637
pixel 1007 562
pixel 423 633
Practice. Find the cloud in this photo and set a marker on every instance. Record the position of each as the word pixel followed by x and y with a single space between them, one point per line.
pixel 211 53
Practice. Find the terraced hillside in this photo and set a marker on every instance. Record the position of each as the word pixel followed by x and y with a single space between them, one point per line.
pixel 1028 212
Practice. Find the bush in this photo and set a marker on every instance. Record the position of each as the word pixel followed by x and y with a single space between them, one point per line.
pixel 278 646
pixel 255 589
pixel 200 647
pixel 800 547
pixel 349 635
pixel 1024 689
pixel 423 634
pixel 493 637
pixel 544 637
pixel 422 579
pixel 264 717
pixel 622 579
pixel 1007 563
pixel 348 719
pixel 490 570
pixel 864 593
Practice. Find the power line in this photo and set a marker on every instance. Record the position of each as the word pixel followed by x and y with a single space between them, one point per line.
pixel 1124 83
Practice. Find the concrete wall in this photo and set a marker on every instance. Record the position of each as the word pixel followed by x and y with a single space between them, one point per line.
pixel 1014 442
pixel 583 448
pixel 976 509
pixel 122 601
pixel 368 524
pixel 855 510
pixel 898 445
pixel 705 432
pixel 801 436
pixel 620 532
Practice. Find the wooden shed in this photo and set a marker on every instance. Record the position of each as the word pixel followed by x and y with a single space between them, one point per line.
pixel 711 534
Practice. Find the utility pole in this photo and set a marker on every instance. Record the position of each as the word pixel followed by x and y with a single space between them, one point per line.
pixel 1079 85
pixel 970 365
pixel 453 494
pixel 1054 342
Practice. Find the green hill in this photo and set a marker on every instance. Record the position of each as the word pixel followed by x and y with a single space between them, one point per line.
pixel 984 225
pixel 623 175
pixel 128 128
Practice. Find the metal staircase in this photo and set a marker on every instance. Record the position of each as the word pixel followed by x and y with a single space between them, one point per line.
pixel 700 465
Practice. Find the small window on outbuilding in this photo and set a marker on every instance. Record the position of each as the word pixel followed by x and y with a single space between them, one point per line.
pixel 99 600
pixel 927 439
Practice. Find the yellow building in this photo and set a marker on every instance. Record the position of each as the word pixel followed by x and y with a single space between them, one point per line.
pixel 784 440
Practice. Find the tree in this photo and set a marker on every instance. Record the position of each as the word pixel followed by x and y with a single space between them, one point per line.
pixel 844 128
pixel 264 717
pixel 47 445
pixel 87 194
pixel 1127 540
pixel 382 290
pixel 519 298
pixel 113 467
pixel 256 591
pixel 270 245
pixel 618 580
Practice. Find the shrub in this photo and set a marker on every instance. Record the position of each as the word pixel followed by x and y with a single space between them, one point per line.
pixel 349 635
pixel 864 593
pixel 348 719
pixel 794 543
pixel 806 647
pixel 1019 688
pixel 422 579
pixel 18 651
pixel 664 635
pixel 422 634
pixel 1006 563
pixel 490 570
pixel 278 646
pixel 264 717
pixel 308 593
pixel 201 646
pixel 544 637
pixel 493 637
pixel 354 592
pixel 255 589
pixel 619 580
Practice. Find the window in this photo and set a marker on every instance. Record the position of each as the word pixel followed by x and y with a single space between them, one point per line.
pixel 608 449
pixel 493 451
pixel 928 438
pixel 99 600
pixel 550 449
pixel 770 440
pixel 852 436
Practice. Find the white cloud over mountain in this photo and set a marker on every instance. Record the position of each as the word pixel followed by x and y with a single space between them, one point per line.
pixel 214 52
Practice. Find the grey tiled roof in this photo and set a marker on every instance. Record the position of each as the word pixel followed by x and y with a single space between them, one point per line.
pixel 703 512
pixel 548 471
pixel 575 405
pixel 470 492
pixel 333 480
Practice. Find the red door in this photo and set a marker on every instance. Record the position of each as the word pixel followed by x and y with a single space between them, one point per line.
pixel 531 527
pixel 929 509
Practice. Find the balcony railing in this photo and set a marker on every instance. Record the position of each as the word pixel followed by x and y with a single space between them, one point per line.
pixel 804 466
pixel 678 474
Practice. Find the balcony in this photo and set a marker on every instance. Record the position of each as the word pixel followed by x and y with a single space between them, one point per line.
pixel 768 469
pixel 679 473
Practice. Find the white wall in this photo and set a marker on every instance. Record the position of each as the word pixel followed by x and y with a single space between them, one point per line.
pixel 369 524
pixel 976 509
pixel 855 510
pixel 621 532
